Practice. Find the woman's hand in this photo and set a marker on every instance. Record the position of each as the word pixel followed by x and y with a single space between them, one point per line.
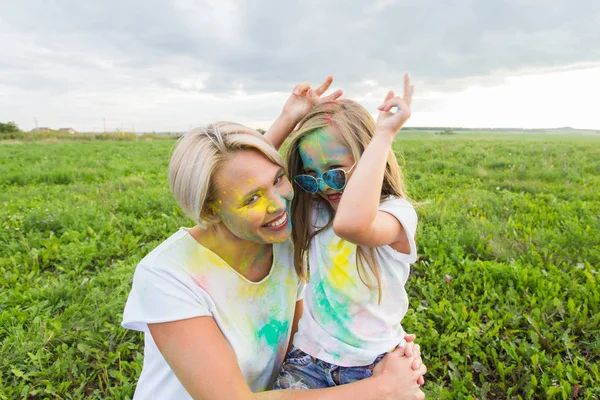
pixel 401 380
pixel 303 98
pixel 413 350
pixel 389 123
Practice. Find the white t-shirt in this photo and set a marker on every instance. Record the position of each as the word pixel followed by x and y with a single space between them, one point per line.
pixel 181 279
pixel 342 322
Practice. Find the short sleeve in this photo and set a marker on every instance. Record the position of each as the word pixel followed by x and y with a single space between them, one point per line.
pixel 300 290
pixel 161 295
pixel 406 214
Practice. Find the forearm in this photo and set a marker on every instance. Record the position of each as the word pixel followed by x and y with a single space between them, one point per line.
pixel 360 202
pixel 280 130
pixel 373 388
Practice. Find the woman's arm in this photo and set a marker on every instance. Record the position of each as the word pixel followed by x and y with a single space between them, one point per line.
pixel 358 219
pixel 205 364
pixel 296 107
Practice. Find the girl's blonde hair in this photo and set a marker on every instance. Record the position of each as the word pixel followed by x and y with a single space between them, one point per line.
pixel 356 127
pixel 200 153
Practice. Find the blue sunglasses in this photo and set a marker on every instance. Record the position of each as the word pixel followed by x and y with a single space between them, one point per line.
pixel 334 178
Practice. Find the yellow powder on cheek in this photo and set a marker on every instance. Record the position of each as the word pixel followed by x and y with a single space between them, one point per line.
pixel 259 207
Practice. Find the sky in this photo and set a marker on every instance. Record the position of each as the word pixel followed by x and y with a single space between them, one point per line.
pixel 172 65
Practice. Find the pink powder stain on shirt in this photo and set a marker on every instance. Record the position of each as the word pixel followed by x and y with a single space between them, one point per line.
pixel 200 281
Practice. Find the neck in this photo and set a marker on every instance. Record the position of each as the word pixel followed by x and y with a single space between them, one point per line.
pixel 252 260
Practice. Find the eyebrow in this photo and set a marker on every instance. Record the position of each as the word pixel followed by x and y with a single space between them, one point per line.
pixel 279 173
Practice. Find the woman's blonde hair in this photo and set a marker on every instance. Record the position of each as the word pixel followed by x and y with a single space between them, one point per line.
pixel 200 153
pixel 356 127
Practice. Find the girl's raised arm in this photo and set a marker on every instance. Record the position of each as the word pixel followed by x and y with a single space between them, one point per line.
pixel 358 218
pixel 206 366
pixel 302 99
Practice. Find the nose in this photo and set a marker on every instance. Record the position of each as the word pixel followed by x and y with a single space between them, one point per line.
pixel 277 204
pixel 322 184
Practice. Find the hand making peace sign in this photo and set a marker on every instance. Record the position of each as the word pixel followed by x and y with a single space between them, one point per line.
pixel 303 98
pixel 389 122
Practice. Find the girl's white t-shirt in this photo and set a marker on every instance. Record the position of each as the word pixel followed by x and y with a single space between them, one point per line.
pixel 181 279
pixel 342 323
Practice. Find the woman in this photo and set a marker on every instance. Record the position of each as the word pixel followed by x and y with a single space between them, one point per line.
pixel 219 302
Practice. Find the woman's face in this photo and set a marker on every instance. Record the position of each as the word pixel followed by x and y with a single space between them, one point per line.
pixel 252 198
pixel 322 151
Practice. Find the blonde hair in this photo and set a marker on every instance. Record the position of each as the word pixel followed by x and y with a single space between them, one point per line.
pixel 356 127
pixel 200 153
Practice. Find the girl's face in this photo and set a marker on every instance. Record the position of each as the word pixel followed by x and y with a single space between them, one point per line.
pixel 322 151
pixel 253 195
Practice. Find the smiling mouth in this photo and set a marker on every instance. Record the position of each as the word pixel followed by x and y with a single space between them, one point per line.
pixel 334 198
pixel 278 223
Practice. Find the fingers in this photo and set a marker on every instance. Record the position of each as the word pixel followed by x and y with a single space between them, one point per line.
pixel 311 96
pixel 422 369
pixel 395 102
pixel 408 349
pixel 388 97
pixel 324 86
pixel 333 96
pixel 410 337
pixel 301 88
pixel 416 363
pixel 399 351
pixel 416 353
pixel 408 89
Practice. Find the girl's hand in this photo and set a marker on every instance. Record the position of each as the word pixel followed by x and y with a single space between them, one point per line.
pixel 389 123
pixel 401 380
pixel 303 98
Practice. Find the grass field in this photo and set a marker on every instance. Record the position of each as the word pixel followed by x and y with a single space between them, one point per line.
pixel 504 299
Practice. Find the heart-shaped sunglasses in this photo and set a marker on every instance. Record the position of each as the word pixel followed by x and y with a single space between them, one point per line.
pixel 334 178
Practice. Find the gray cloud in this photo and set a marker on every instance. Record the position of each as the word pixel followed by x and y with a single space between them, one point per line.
pixel 226 47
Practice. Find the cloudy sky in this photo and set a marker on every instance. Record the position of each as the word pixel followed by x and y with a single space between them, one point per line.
pixel 171 65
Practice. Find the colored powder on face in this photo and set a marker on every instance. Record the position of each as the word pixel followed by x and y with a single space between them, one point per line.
pixel 322 148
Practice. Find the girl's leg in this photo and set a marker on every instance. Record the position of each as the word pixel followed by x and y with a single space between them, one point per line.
pixel 301 371
pixel 353 374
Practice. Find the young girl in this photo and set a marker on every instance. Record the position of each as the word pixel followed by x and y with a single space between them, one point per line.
pixel 353 219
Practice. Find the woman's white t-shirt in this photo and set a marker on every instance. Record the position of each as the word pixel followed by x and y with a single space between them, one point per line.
pixel 181 279
pixel 342 322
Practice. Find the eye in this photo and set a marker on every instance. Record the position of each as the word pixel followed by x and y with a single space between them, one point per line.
pixel 252 199
pixel 278 180
pixel 336 167
pixel 310 172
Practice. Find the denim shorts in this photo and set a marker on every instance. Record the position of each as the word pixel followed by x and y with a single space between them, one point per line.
pixel 303 371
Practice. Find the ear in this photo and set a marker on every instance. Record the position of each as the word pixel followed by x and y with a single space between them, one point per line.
pixel 208 214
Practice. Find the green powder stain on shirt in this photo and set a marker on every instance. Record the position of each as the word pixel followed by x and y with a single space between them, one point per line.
pixel 274 333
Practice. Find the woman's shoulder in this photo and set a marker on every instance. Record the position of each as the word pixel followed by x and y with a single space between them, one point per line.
pixel 172 248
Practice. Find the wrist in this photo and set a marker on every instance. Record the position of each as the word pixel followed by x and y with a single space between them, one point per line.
pixel 288 119
pixel 384 135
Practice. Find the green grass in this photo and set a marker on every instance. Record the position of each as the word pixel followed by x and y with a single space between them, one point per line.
pixel 504 298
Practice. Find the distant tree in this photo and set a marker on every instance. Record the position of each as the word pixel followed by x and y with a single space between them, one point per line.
pixel 9 127
pixel 447 131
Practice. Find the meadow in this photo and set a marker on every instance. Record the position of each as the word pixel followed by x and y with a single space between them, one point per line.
pixel 504 297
